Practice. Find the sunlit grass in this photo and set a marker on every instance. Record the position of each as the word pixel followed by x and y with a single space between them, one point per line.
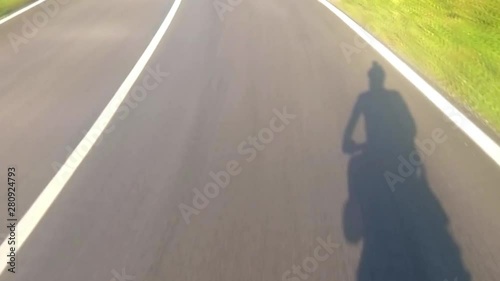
pixel 7 6
pixel 455 43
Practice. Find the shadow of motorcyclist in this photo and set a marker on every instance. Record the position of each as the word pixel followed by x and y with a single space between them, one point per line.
pixel 402 224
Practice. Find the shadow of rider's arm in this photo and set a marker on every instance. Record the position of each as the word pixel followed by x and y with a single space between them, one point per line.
pixel 349 146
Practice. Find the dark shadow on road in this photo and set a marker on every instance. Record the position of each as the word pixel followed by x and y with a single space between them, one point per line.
pixel 401 222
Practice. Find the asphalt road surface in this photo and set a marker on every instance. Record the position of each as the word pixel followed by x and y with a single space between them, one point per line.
pixel 307 159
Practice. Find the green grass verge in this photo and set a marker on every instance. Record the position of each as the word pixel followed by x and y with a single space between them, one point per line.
pixel 8 6
pixel 455 43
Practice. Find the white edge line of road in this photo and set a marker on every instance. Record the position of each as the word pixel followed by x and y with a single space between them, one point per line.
pixel 35 213
pixel 18 12
pixel 488 145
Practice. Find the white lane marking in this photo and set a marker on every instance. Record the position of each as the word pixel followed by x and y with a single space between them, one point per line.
pixel 488 145
pixel 56 185
pixel 18 12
